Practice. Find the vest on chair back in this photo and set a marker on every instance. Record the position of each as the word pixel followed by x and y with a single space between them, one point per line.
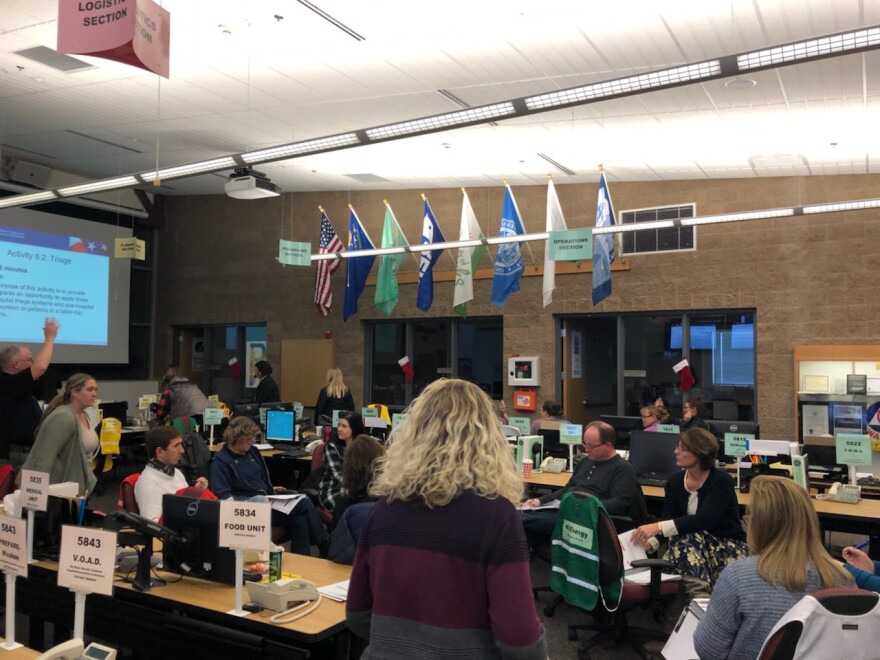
pixel 186 399
pixel 576 572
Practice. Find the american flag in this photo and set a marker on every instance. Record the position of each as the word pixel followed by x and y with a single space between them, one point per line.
pixel 323 288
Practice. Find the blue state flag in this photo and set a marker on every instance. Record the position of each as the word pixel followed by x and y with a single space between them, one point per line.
pixel 603 244
pixel 430 234
pixel 508 261
pixel 357 269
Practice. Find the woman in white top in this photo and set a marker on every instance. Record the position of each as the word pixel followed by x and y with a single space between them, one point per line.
pixel 66 440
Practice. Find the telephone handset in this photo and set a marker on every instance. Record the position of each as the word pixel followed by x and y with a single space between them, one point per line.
pixel 287 597
pixel 554 465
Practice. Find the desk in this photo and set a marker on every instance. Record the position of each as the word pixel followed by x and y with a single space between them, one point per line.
pixel 23 653
pixel 861 518
pixel 188 618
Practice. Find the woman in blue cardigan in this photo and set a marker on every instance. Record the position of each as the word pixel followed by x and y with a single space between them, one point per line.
pixel 700 515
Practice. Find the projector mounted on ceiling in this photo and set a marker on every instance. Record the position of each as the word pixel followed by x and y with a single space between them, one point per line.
pixel 246 183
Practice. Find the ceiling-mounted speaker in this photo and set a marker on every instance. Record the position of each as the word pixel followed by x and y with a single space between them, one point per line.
pixel 30 174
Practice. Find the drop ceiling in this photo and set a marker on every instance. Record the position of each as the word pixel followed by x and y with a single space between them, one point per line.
pixel 251 75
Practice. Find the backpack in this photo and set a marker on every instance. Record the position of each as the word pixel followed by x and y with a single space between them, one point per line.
pixel 196 455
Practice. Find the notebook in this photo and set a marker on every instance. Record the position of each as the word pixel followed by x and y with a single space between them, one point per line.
pixel 632 552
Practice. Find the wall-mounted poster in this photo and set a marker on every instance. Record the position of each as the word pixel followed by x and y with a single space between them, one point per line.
pixel 254 352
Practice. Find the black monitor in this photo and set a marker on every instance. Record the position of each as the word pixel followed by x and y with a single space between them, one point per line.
pixel 198 522
pixel 280 426
pixel 622 425
pixel 652 452
pixel 250 410
pixel 718 427
pixel 115 409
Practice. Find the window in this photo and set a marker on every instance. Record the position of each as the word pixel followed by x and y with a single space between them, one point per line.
pixel 658 240
pixel 470 349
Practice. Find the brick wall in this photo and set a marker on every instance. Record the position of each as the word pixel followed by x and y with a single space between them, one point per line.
pixel 809 278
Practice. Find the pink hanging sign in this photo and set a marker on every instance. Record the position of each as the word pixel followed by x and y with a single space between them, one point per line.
pixel 135 32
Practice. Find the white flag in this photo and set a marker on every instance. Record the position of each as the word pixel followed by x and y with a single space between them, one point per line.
pixel 555 222
pixel 468 258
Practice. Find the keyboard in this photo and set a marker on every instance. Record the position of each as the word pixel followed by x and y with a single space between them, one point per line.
pixel 652 479
pixel 293 453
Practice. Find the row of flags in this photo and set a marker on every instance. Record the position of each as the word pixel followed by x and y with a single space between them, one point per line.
pixel 509 265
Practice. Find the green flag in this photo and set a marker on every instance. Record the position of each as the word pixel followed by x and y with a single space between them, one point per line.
pixel 469 258
pixel 386 283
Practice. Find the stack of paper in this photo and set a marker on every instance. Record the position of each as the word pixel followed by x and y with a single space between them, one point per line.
pixel 337 591
pixel 632 552
pixel 285 503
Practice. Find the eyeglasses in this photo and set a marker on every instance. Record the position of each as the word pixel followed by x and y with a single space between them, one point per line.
pixel 647 416
pixel 589 447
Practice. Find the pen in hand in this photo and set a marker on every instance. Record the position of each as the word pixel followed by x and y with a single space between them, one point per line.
pixel 857 546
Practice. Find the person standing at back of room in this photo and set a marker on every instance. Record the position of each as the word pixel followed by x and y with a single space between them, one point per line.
pixel 267 388
pixel 442 565
pixel 19 368
pixel 335 395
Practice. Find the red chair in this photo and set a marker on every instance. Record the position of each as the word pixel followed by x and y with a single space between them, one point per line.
pixel 127 499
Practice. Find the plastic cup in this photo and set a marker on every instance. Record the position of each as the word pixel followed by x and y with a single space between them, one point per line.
pixel 527 467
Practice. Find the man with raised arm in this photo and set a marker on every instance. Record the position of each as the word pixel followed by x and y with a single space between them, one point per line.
pixel 19 368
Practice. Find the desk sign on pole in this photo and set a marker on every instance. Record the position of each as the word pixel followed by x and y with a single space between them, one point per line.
pixel 853 450
pixel 213 417
pixel 521 424
pixel 335 418
pixel 737 444
pixel 397 418
pixel 244 526
pixel 298 410
pixel 369 412
pixel 13 562
pixel 34 497
pixel 85 566
pixel 668 428
pixel 571 435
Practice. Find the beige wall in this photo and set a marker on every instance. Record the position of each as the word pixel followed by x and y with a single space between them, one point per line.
pixel 811 279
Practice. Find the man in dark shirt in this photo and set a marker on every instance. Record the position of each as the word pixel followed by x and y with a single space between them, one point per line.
pixel 603 473
pixel 19 412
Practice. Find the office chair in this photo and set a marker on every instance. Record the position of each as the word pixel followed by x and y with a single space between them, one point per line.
pixel 510 431
pixel 7 480
pixel 127 499
pixel 609 621
pixel 836 622
pixel 310 486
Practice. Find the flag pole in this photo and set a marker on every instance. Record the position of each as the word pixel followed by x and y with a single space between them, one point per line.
pixel 454 261
pixel 618 238
pixel 528 247
pixel 408 249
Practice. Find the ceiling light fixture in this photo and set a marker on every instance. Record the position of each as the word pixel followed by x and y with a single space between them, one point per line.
pixel 479 115
pixel 25 200
pixel 307 147
pixel 98 186
pixel 810 49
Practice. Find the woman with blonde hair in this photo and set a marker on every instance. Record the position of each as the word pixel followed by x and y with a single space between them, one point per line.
pixel 442 566
pixel 787 561
pixel 66 441
pixel 335 395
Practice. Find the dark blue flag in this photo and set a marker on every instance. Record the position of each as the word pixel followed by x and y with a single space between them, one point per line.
pixel 508 261
pixel 357 269
pixel 430 234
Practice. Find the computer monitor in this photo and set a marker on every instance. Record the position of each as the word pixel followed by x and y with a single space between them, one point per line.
pixel 250 410
pixel 653 453
pixel 281 426
pixel 197 521
pixel 622 425
pixel 718 427
pixel 115 409
pixel 549 430
pixel 273 405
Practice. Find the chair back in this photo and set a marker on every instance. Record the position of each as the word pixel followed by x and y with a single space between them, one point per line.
pixel 587 559
pixel 127 499
pixel 837 622
pixel 7 480
pixel 318 456
pixel 510 431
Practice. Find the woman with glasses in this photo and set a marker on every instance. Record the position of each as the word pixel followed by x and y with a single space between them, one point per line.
pixel 787 562
pixel 693 414
pixel 651 417
pixel 700 516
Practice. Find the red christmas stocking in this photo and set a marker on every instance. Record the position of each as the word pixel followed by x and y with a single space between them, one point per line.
pixel 685 377
pixel 235 367
pixel 407 369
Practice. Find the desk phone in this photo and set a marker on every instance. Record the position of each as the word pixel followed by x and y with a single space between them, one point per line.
pixel 73 650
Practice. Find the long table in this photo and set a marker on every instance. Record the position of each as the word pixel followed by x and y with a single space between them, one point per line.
pixel 860 518
pixel 188 617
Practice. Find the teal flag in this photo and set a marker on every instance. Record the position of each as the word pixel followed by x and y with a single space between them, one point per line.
pixel 387 292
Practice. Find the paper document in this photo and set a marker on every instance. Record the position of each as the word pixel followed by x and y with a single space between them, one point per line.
pixel 285 503
pixel 337 591
pixel 632 552
pixel 680 645
pixel 550 505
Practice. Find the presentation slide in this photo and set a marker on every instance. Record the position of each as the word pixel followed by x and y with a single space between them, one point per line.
pixel 61 267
